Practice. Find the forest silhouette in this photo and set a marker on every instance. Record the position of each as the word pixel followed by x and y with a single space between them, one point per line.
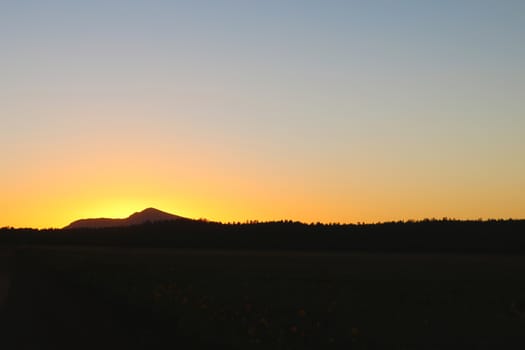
pixel 429 235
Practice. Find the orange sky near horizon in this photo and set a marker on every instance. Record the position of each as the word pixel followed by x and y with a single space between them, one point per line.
pixel 261 110
pixel 231 188
pixel 118 186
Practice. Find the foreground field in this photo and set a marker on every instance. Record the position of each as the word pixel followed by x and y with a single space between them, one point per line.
pixel 274 300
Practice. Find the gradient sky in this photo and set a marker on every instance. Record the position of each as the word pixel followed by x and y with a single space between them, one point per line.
pixel 274 109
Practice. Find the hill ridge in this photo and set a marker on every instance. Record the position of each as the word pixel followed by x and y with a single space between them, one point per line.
pixel 147 215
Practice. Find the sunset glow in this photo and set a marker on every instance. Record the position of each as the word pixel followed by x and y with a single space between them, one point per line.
pixel 266 110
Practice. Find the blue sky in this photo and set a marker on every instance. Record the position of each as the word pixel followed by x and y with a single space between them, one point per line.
pixel 331 102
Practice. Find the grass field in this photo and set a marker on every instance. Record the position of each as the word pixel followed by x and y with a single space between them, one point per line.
pixel 289 300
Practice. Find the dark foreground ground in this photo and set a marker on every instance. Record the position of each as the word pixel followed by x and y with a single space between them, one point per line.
pixel 111 298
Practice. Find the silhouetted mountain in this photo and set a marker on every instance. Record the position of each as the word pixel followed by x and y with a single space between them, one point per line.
pixel 147 215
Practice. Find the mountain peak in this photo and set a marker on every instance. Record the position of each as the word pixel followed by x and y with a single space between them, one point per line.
pixel 151 214
pixel 150 211
pixel 146 215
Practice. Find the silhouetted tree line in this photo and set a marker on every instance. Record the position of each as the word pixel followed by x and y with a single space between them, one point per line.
pixel 439 236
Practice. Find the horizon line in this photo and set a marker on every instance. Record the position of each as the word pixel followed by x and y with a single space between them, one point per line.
pixel 288 221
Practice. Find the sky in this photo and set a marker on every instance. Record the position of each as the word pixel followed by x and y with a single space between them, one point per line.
pixel 234 110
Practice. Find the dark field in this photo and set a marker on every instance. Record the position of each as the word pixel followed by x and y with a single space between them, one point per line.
pixel 82 297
